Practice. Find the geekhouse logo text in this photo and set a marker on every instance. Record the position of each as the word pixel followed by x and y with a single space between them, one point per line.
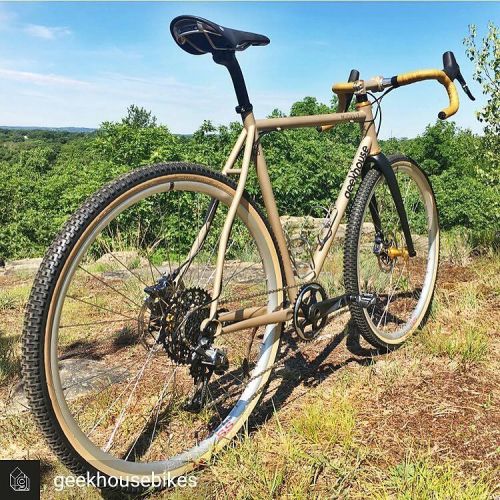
pixel 98 480
pixel 356 171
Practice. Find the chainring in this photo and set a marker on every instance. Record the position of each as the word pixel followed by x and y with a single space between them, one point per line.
pixel 308 295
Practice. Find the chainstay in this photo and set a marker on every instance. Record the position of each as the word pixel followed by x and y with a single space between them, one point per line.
pixel 276 364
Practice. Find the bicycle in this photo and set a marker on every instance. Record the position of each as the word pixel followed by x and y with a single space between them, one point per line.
pixel 199 282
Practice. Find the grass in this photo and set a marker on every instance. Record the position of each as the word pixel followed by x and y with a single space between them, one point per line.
pixel 326 423
pixel 10 364
pixel 291 457
pixel 419 478
pixel 8 301
pixel 456 246
pixel 459 328
pixel 411 424
pixel 469 345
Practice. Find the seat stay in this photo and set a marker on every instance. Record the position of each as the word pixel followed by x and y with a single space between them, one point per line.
pixel 203 232
pixel 228 223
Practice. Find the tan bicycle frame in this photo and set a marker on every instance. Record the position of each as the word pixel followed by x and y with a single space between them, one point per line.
pixel 249 140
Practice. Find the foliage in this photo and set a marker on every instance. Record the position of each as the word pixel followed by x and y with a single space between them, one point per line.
pixel 45 176
pixel 136 140
pixel 486 58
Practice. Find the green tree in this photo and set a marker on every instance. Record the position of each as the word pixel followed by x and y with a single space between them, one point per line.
pixel 486 57
pixel 135 140
pixel 139 117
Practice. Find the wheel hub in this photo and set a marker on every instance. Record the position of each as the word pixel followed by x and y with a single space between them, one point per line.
pixel 175 322
pixel 175 317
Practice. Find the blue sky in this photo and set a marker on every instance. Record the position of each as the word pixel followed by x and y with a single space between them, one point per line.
pixel 79 64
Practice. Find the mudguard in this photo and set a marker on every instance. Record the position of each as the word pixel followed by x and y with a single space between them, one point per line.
pixel 383 165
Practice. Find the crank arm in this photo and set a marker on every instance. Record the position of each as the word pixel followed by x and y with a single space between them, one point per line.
pixel 329 306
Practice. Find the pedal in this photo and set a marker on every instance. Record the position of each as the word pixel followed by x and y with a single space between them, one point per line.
pixel 364 299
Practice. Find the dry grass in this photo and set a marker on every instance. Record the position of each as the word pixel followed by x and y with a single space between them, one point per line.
pixel 421 422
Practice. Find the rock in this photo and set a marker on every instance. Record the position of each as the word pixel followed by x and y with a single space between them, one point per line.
pixel 79 376
pixel 131 259
pixel 117 275
pixel 235 270
pixel 13 266
pixel 312 226
pixel 295 224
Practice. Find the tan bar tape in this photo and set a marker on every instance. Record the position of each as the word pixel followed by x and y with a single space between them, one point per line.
pixel 442 78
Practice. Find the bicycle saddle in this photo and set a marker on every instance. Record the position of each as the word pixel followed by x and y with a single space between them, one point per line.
pixel 200 36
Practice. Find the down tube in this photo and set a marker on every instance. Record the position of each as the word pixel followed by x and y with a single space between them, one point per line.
pixel 338 210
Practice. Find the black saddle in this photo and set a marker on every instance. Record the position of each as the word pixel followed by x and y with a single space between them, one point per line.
pixel 199 36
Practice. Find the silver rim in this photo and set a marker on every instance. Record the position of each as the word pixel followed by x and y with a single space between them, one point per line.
pixel 238 415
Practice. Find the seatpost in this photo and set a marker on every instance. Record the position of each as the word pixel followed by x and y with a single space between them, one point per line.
pixel 228 59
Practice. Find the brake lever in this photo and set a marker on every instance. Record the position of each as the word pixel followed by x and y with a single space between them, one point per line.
pixel 452 69
pixel 461 79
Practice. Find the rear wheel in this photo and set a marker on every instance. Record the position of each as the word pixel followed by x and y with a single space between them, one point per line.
pixel 379 265
pixel 109 334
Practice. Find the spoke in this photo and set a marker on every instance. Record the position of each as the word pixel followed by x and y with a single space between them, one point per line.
pixel 149 252
pixel 215 268
pixel 390 298
pixel 100 307
pixel 123 265
pixel 178 246
pixel 138 373
pixel 104 322
pixel 207 262
pixel 214 405
pixel 109 286
pixel 92 377
pixel 122 417
pixel 156 409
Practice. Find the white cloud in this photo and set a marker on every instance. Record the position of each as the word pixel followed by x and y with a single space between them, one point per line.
pixel 46 32
pixel 182 106
pixel 41 78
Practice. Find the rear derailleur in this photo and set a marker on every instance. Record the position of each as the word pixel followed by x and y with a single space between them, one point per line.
pixel 205 360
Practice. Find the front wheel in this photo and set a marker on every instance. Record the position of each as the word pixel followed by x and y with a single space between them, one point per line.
pixel 376 260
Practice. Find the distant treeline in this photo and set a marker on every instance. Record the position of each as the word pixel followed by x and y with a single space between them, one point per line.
pixel 46 174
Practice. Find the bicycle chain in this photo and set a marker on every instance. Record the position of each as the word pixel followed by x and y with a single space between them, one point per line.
pixel 260 294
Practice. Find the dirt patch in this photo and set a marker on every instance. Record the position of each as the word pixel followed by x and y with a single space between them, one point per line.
pixel 450 411
pixel 451 275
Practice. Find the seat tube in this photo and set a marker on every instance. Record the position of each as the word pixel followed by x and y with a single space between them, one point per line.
pixel 271 209
pixel 245 109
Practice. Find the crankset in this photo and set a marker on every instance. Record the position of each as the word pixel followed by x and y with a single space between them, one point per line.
pixel 309 295
pixel 322 310
pixel 312 308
